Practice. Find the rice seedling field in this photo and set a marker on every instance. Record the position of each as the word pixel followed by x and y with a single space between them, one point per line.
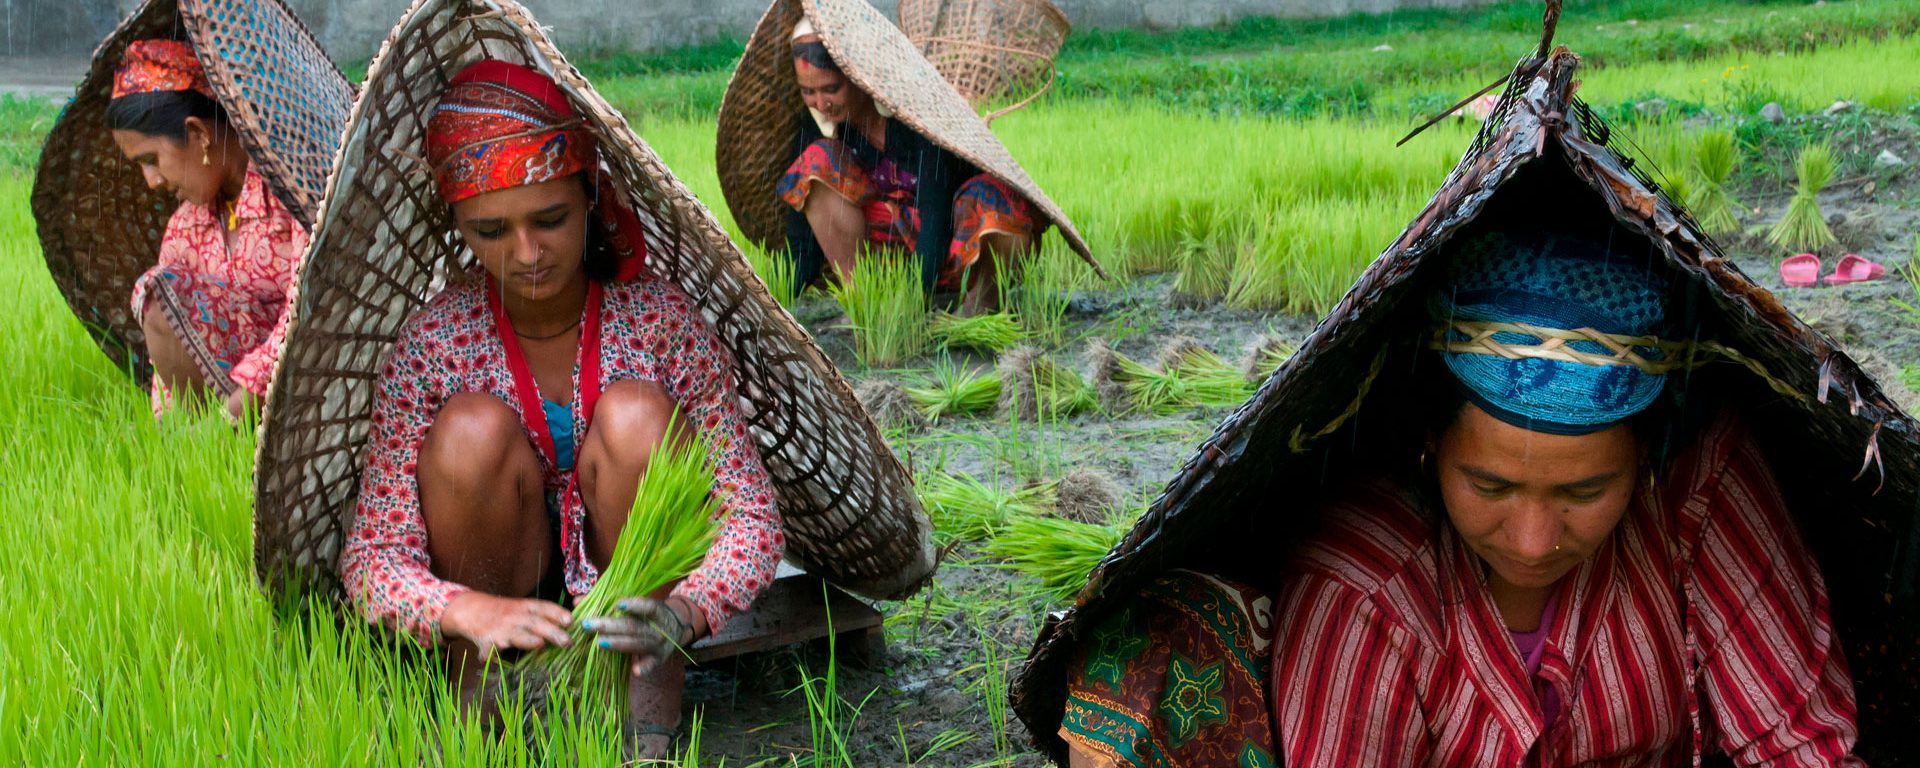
pixel 1234 182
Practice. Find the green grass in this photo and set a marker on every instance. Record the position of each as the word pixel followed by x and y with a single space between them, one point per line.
pixel 886 305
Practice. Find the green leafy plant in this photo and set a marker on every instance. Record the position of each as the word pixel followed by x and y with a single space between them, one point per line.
pixel 1060 553
pixel 776 269
pixel 953 390
pixel 1034 387
pixel 1048 280
pixel 886 304
pixel 1804 228
pixel 993 332
pixel 674 521
pixel 1711 204
pixel 969 509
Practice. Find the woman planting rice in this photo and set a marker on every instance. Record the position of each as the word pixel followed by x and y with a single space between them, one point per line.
pixel 1532 541
pixel 877 154
pixel 214 309
pixel 520 406
pixel 861 178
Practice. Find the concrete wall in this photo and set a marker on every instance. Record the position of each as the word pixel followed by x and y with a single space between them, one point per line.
pixel 352 29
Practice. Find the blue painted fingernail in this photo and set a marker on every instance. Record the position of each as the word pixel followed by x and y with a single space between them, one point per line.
pixel 605 643
pixel 586 624
pixel 622 605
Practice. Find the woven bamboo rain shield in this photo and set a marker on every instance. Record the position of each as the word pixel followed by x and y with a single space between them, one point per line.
pixel 100 226
pixel 988 49
pixel 1332 404
pixel 384 243
pixel 761 112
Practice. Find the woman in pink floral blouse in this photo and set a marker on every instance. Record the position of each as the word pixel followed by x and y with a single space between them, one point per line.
pixel 214 309
pixel 517 411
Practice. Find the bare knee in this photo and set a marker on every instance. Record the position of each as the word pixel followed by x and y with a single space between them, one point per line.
pixel 474 437
pixel 631 420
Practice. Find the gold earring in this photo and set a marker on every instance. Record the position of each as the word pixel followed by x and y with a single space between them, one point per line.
pixel 205 159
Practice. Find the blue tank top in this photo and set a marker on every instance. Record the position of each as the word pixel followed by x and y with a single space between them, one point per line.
pixel 560 425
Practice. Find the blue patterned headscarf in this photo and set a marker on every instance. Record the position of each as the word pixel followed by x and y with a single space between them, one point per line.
pixel 1551 281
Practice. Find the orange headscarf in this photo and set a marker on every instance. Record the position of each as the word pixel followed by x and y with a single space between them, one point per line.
pixel 502 125
pixel 151 66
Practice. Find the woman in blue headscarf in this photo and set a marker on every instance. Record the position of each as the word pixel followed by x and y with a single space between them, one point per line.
pixel 1558 579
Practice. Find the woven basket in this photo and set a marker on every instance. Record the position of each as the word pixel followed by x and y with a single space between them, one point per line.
pixel 990 50
pixel 100 226
pixel 761 112
pixel 1847 456
pixel 384 244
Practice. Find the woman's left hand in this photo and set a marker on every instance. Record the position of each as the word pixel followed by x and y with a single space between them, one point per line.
pixel 650 630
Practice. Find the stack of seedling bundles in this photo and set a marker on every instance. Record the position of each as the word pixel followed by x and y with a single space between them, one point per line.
pixel 1189 376
pixel 674 521
pixel 953 390
pixel 1803 228
pixel 1035 388
pixel 1712 205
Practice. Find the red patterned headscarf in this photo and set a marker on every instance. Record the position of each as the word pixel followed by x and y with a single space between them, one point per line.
pixel 502 125
pixel 150 66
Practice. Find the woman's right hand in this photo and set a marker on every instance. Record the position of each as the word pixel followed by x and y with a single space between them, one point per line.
pixel 492 623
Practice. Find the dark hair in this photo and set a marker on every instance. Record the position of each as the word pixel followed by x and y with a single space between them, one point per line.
pixel 814 53
pixel 162 113
pixel 598 259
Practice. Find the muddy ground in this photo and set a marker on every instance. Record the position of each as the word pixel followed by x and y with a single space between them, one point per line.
pixel 931 681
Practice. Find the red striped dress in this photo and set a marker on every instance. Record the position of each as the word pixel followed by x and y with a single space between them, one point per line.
pixel 1390 651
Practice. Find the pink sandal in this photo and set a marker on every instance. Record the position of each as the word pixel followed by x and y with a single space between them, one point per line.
pixel 1853 268
pixel 1800 271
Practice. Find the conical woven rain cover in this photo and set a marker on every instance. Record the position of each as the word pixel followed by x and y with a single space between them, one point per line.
pixel 761 112
pixel 1247 495
pixel 383 244
pixel 100 226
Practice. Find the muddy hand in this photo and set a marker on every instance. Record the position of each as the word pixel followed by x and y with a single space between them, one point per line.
pixel 649 631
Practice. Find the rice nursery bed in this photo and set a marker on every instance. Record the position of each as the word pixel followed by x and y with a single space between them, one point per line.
pixel 137 635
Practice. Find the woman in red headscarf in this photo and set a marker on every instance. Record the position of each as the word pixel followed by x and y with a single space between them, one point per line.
pixel 214 309
pixel 518 409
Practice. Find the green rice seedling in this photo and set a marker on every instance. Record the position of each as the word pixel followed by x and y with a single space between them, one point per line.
pixel 672 525
pixel 776 269
pixel 1910 272
pixel 1803 227
pixel 1710 203
pixel 991 687
pixel 993 332
pixel 1207 251
pixel 954 390
pixel 886 304
pixel 1035 388
pixel 1206 380
pixel 1104 375
pixel 1048 280
pixel 1259 275
pixel 1059 553
pixel 831 719
pixel 966 508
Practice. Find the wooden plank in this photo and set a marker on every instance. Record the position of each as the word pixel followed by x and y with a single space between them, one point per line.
pixel 793 610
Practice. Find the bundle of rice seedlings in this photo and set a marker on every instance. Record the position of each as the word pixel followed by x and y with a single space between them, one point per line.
pixel 951 390
pixel 1264 356
pixel 1060 553
pixel 1803 228
pixel 1048 279
pixel 995 332
pixel 889 403
pixel 1205 258
pixel 1205 379
pixel 966 509
pixel 674 521
pixel 886 304
pixel 1034 387
pixel 1713 161
pixel 1103 371
pixel 774 269
pixel 1086 496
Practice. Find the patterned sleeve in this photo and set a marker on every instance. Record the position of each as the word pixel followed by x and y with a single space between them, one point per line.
pixel 385 562
pixel 255 370
pixel 1345 689
pixel 175 251
pixel 742 561
pixel 1773 671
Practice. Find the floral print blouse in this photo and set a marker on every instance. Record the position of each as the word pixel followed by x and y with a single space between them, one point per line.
pixel 650 331
pixel 244 296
